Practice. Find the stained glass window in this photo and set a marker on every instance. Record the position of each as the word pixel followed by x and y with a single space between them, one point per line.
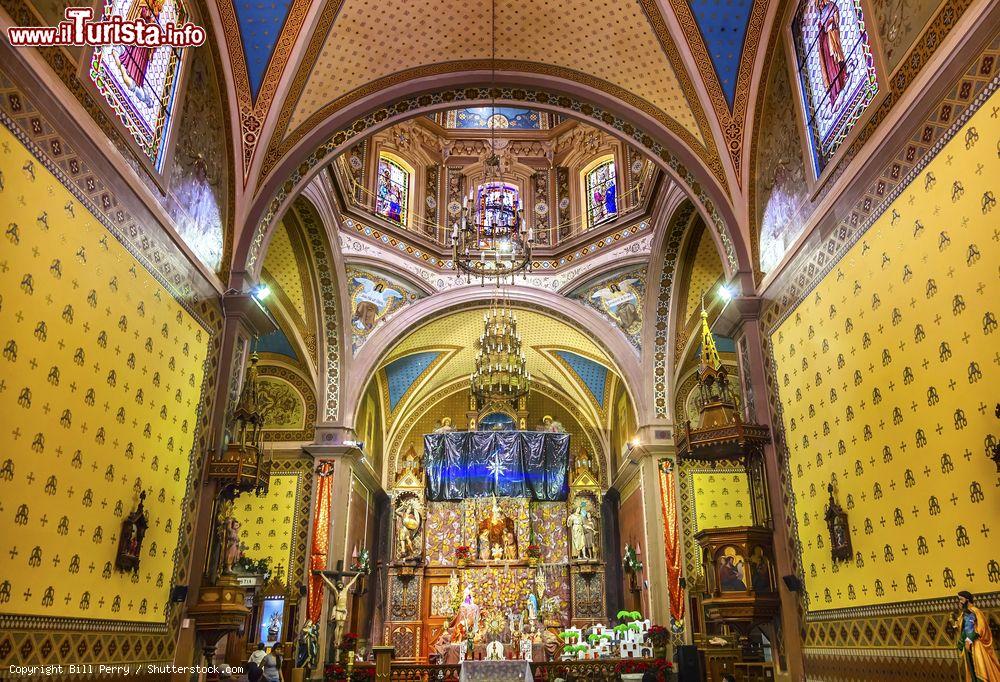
pixel 139 82
pixel 496 207
pixel 392 195
pixel 484 118
pixel 836 71
pixel 601 193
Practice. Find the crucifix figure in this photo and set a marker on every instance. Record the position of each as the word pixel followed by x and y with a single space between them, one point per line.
pixel 334 581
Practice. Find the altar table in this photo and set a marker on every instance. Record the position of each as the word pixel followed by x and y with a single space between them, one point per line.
pixel 495 671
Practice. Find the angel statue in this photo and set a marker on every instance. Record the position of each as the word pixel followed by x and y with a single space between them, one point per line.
pixel 371 302
pixel 408 532
pixel 620 301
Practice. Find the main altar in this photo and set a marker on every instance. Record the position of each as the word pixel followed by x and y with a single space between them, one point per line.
pixel 496 543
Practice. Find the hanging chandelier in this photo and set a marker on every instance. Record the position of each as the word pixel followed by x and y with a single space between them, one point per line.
pixel 501 371
pixel 491 241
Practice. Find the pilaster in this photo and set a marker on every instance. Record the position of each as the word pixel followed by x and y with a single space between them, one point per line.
pixel 740 321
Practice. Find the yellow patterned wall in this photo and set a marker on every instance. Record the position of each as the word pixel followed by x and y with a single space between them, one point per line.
pixel 267 523
pixel 100 389
pixel 721 499
pixel 887 377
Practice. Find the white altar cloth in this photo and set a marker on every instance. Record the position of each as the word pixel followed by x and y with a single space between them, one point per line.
pixel 495 671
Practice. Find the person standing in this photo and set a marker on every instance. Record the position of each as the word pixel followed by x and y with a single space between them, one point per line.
pixel 975 641
pixel 270 666
pixel 253 663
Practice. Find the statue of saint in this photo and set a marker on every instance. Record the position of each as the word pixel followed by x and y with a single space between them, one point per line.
pixel 445 427
pixel 550 425
pixel 231 552
pixel 484 545
pixel 408 529
pixel 509 545
pixel 308 646
pixel 582 532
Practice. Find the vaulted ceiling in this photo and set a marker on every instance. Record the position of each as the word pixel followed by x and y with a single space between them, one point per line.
pixel 678 63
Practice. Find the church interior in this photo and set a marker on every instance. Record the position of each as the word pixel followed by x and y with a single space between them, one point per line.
pixel 562 340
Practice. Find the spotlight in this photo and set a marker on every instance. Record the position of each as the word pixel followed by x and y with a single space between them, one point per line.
pixel 634 443
pixel 359 444
pixel 725 293
pixel 261 291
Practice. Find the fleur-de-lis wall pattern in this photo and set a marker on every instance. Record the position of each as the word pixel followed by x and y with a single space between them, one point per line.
pixel 268 523
pixel 886 374
pixel 102 373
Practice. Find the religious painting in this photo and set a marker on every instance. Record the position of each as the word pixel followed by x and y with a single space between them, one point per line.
pixel 619 298
pixel 731 570
pixel 140 82
pixel 836 71
pixel 392 191
pixel 197 174
pixel 271 620
pixel 600 192
pixel 501 118
pixel 374 298
pixel 281 404
pixel 760 571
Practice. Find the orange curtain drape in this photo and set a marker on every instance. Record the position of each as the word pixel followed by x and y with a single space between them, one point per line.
pixel 671 538
pixel 321 540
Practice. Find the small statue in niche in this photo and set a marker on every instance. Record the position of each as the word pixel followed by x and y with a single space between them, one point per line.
pixel 409 463
pixel 133 532
pixel 582 532
pixel 840 530
pixel 231 550
pixel 445 426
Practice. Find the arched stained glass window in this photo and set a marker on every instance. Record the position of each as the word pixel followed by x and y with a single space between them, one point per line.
pixel 601 192
pixel 496 206
pixel 836 71
pixel 137 81
pixel 392 193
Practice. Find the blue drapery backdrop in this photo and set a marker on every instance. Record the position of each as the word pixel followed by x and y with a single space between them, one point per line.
pixel 502 463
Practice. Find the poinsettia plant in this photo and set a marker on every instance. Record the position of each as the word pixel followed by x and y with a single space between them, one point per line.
pixel 462 552
pixel 339 673
pixel 659 666
pixel 534 551
pixel 658 634
pixel 349 641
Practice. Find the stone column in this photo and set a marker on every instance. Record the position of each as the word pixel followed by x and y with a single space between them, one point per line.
pixel 343 458
pixel 642 462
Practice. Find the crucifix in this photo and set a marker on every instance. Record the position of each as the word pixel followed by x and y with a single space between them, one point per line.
pixel 334 581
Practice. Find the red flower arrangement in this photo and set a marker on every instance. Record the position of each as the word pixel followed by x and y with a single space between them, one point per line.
pixel 338 673
pixel 349 641
pixel 462 552
pixel 660 666
pixel 658 634
pixel 534 551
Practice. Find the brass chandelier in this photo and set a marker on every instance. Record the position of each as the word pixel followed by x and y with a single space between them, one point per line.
pixel 501 371
pixel 491 242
